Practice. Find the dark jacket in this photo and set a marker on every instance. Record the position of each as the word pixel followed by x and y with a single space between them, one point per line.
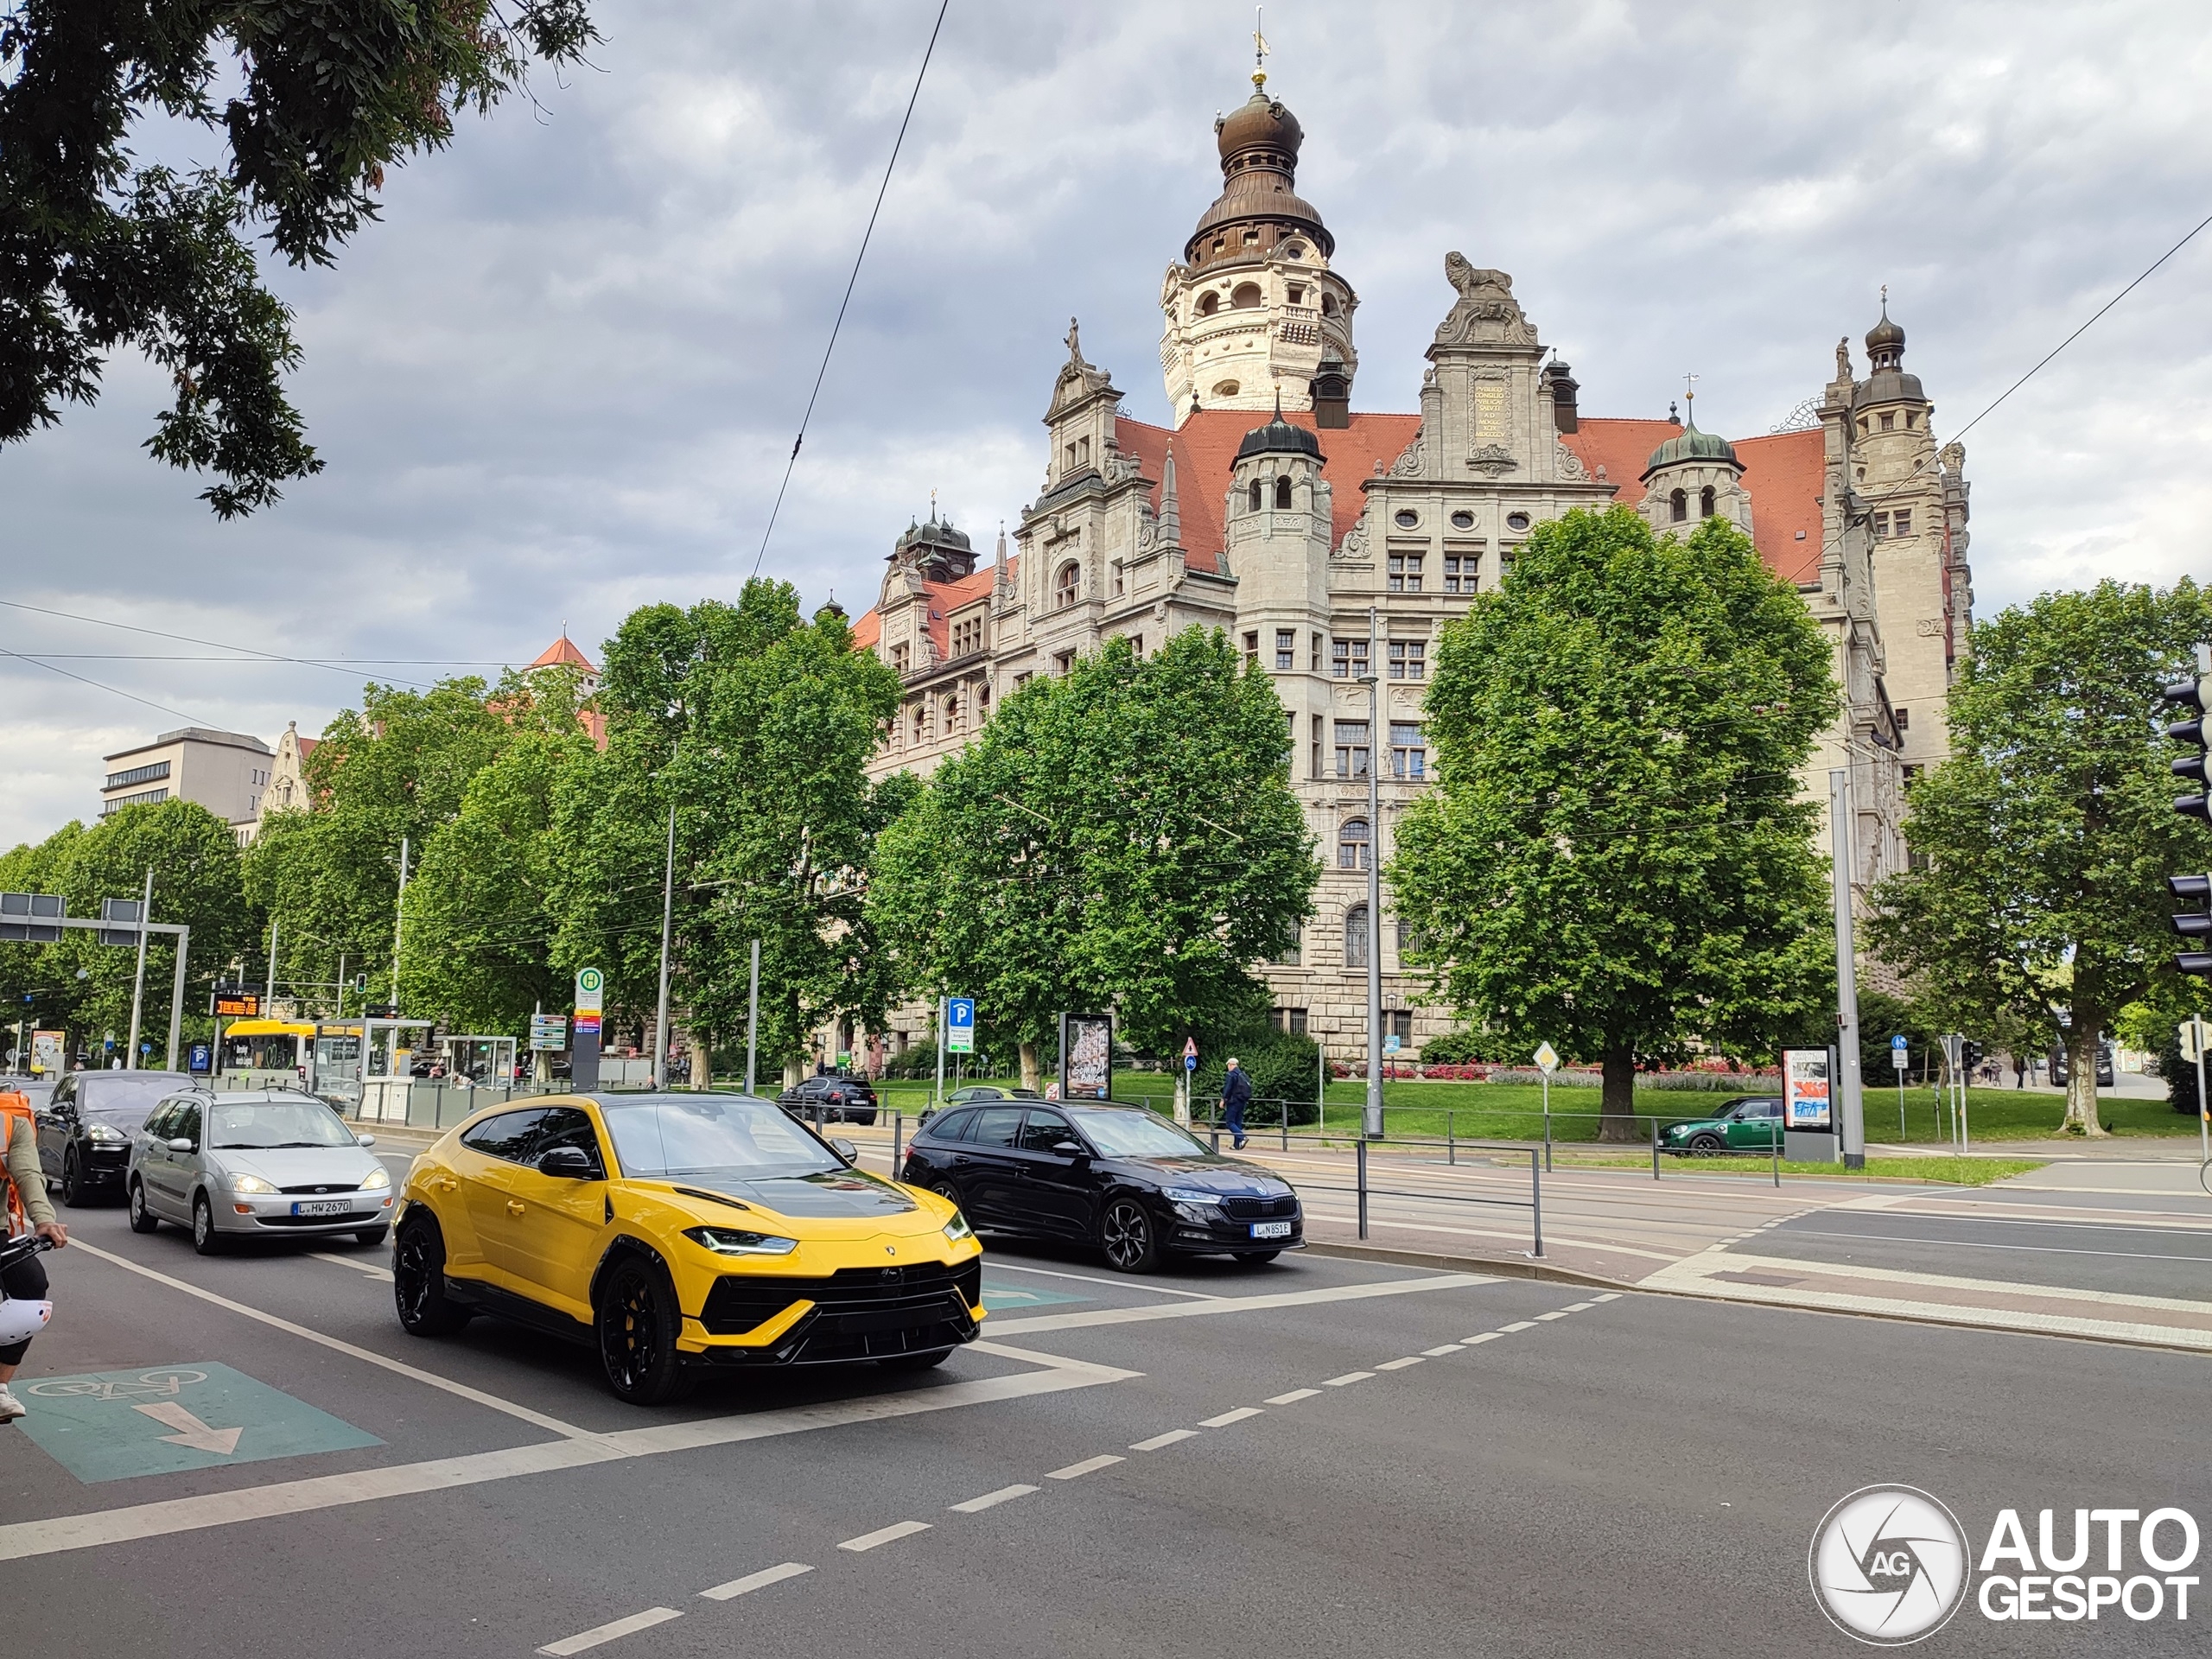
pixel 1236 1087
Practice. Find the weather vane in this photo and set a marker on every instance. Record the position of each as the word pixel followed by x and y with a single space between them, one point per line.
pixel 1259 50
pixel 1689 395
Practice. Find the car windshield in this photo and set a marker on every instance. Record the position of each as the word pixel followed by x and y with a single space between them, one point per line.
pixel 1130 1133
pixel 123 1101
pixel 265 1125
pixel 700 1137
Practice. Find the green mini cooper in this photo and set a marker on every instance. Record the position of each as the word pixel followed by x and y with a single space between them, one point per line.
pixel 1740 1126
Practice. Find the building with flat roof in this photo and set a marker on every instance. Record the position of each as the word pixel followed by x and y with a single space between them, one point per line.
pixel 224 771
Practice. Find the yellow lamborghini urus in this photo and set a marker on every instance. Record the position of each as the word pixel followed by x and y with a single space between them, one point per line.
pixel 676 1232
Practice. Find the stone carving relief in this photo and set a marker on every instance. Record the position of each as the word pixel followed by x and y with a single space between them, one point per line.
pixel 1569 464
pixel 1953 458
pixel 1486 312
pixel 1354 545
pixel 1411 460
pixel 1492 459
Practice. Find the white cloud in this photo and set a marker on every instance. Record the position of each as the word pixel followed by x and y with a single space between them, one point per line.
pixel 560 378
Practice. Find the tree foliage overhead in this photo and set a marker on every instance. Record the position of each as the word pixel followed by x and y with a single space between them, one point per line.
pixel 1617 859
pixel 2049 831
pixel 311 101
pixel 1123 836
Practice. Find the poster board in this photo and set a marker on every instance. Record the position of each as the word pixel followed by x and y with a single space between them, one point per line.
pixel 1807 1092
pixel 1086 1057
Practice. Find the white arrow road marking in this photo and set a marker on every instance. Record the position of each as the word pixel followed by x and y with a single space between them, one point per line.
pixel 191 1431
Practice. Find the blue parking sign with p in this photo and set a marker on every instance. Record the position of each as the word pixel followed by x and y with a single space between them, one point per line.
pixel 960 1025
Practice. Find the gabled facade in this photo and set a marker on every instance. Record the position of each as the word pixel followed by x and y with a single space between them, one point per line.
pixel 1328 542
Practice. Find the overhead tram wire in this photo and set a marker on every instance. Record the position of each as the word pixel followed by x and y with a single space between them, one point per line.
pixel 775 510
pixel 183 639
pixel 97 685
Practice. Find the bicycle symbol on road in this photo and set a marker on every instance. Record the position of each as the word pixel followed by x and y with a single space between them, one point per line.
pixel 147 1385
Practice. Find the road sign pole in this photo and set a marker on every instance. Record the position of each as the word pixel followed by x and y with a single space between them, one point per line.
pixel 1851 1122
pixel 660 1009
pixel 944 1037
pixel 138 981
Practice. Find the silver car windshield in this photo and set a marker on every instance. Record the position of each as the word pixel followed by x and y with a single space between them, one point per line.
pixel 265 1125
pixel 700 1137
pixel 1133 1135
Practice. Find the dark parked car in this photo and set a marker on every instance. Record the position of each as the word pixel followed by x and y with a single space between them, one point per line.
pixel 84 1132
pixel 843 1100
pixel 968 1093
pixel 1117 1177
pixel 1740 1126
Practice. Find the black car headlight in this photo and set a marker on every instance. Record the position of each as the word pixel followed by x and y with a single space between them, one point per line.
pixel 730 1240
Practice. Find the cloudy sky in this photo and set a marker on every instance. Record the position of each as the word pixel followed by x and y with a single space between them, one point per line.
pixel 560 378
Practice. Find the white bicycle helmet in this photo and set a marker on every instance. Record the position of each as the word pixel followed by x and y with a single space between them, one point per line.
pixel 20 1320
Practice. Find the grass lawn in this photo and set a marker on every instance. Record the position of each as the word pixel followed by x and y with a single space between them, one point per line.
pixel 1955 1172
pixel 1507 1111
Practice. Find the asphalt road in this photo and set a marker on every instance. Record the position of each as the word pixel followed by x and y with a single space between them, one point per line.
pixel 1300 1459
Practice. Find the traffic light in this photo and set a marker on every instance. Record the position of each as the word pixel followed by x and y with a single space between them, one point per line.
pixel 2195 926
pixel 2196 695
pixel 1970 1057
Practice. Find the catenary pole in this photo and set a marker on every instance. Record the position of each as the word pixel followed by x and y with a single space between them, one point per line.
pixel 1371 1124
pixel 398 921
pixel 176 998
pixel 138 979
pixel 667 909
pixel 1850 1103
pixel 269 996
pixel 751 1015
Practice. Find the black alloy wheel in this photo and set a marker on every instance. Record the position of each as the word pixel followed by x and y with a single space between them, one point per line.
pixel 72 1181
pixel 1255 1258
pixel 143 1220
pixel 916 1362
pixel 204 1238
pixel 638 1324
pixel 1705 1145
pixel 418 1281
pixel 1127 1236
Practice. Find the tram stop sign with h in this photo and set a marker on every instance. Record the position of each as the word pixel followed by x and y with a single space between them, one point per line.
pixel 1897 1052
pixel 960 1025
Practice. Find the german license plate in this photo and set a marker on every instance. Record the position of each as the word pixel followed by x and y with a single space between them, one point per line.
pixel 322 1207
pixel 1271 1229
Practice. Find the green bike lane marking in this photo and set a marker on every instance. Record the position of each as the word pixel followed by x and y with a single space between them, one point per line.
pixel 161 1419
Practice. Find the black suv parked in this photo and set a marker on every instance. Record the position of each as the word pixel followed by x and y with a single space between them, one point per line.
pixel 843 1100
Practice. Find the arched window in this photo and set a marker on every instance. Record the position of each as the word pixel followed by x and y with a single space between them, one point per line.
pixel 1356 941
pixel 1226 389
pixel 1282 493
pixel 921 722
pixel 951 715
pixel 1067 585
pixel 1252 497
pixel 1328 305
pixel 1245 296
pixel 1704 502
pixel 1209 302
pixel 1353 842
pixel 1679 503
pixel 1294 251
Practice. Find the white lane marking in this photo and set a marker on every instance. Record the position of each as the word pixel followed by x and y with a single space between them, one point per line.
pixel 369 1267
pixel 1610 1296
pixel 1399 1364
pixel 890 1535
pixel 1577 1307
pixel 990 1500
pixel 1487 1336
pixel 1088 1466
pixel 752 1582
pixel 1978 1244
pixel 1229 1417
pixel 432 1378
pixel 1241 1303
pixel 1349 1377
pixel 1517 1325
pixel 1093 1279
pixel 1556 1313
pixel 1082 1368
pixel 1292 1397
pixel 1168 1438
pixel 592 1638
pixel 1604 1246
pixel 1437 1353
pixel 24 1538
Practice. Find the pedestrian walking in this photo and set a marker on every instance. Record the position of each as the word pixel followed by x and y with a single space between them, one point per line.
pixel 1236 1093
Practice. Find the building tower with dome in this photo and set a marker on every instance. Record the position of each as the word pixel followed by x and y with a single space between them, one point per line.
pixel 1270 508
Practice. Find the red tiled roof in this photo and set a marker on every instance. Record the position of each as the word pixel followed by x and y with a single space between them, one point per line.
pixel 867 633
pixel 1782 474
pixel 563 651
pixel 1205 455
pixel 306 746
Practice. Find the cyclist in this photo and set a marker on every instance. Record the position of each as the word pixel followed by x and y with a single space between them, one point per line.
pixel 26 1208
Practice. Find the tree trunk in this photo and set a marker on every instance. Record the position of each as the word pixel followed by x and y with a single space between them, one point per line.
pixel 2081 1073
pixel 1617 1097
pixel 702 1057
pixel 1029 1066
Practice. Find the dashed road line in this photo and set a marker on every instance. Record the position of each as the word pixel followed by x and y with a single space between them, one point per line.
pixel 1487 1336
pixel 1168 1438
pixel 1519 1325
pixel 990 1500
pixel 1229 1417
pixel 1088 1466
pixel 369 1267
pixel 1438 1353
pixel 760 1580
pixel 1610 1296
pixel 1556 1313
pixel 620 1627
pixel 1349 1377
pixel 882 1535
pixel 1292 1397
pixel 1400 1364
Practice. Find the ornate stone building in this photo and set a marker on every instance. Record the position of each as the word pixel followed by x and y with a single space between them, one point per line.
pixel 1331 543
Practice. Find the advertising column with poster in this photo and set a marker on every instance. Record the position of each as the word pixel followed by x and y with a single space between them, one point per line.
pixel 1086 1057
pixel 1808 1127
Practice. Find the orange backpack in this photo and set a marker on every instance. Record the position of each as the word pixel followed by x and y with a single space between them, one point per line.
pixel 14 1105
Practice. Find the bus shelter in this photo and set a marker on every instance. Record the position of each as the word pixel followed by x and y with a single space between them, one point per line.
pixel 482 1062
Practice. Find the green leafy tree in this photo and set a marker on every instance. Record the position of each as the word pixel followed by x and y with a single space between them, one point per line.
pixel 755 727
pixel 310 102
pixel 1617 859
pixel 1124 835
pixel 2049 829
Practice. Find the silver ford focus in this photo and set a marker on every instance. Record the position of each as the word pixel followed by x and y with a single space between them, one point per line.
pixel 272 1162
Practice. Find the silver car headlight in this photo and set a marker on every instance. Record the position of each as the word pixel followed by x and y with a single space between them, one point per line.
pixel 378 1177
pixel 253 1184
pixel 730 1240
pixel 958 1228
pixel 101 1134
